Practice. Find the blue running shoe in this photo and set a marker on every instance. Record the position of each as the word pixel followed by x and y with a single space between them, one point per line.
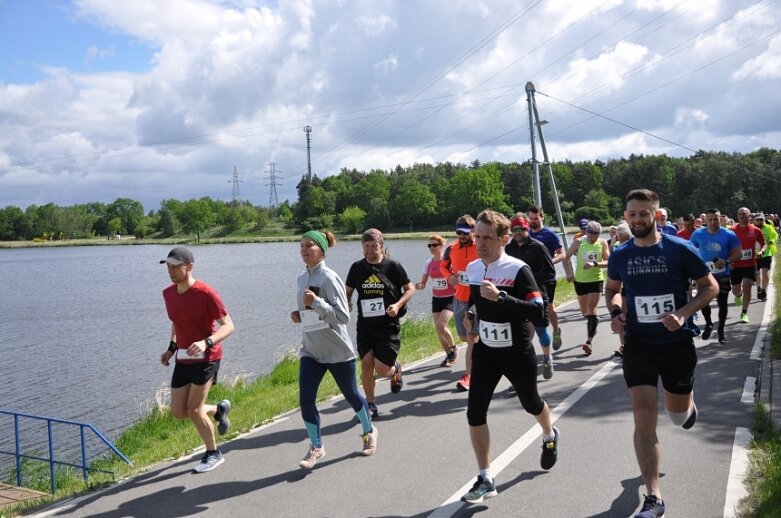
pixel 652 508
pixel 209 461
pixel 480 491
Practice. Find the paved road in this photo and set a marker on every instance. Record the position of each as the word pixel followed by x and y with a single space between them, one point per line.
pixel 424 461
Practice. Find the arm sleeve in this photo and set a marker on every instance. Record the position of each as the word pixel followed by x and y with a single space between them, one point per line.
pixel 525 300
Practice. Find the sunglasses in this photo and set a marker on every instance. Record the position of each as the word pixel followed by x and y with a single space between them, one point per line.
pixel 462 233
pixel 519 229
pixel 592 232
pixel 433 245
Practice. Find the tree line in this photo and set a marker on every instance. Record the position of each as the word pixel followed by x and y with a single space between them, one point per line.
pixel 424 196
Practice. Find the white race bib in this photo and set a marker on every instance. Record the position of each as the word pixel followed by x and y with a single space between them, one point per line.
pixel 714 269
pixel 181 354
pixel 440 284
pixel 463 279
pixel 495 334
pixel 746 254
pixel 310 321
pixel 649 308
pixel 372 307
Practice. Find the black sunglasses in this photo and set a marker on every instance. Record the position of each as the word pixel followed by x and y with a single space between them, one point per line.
pixel 592 232
pixel 462 233
pixel 433 245
pixel 519 229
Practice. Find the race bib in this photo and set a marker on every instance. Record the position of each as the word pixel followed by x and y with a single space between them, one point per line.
pixel 372 307
pixel 495 334
pixel 310 321
pixel 650 307
pixel 463 279
pixel 590 256
pixel 440 284
pixel 713 269
pixel 746 254
pixel 181 354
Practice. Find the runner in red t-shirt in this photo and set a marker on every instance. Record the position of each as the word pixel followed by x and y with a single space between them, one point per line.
pixel 193 307
pixel 744 271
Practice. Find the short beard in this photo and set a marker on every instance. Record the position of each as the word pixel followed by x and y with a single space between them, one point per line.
pixel 643 231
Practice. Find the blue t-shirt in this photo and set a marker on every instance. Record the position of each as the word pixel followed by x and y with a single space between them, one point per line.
pixel 715 246
pixel 656 281
pixel 549 238
pixel 668 229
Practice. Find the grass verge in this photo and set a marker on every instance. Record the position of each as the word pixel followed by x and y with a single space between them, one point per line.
pixel 159 437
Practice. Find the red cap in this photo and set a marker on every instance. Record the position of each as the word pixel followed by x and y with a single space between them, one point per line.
pixel 519 221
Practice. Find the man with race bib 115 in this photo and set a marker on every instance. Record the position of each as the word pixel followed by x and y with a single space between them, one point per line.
pixel 655 270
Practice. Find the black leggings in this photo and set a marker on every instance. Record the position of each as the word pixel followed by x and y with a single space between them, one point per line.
pixel 722 299
pixel 517 363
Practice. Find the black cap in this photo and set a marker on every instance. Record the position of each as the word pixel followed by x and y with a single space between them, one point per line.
pixel 178 255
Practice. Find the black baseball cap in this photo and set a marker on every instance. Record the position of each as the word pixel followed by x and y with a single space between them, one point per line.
pixel 178 255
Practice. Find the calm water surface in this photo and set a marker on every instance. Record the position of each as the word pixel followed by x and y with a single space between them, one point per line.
pixel 83 327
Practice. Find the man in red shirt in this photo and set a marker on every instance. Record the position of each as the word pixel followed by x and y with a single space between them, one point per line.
pixel 744 271
pixel 453 266
pixel 193 307
pixel 688 227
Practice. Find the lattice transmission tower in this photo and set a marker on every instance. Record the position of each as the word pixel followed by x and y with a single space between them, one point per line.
pixel 236 196
pixel 272 177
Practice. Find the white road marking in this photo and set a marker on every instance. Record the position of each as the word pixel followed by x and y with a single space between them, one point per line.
pixel 759 341
pixel 450 506
pixel 738 466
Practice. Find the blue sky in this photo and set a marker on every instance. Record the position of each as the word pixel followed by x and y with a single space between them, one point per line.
pixel 150 100
pixel 47 33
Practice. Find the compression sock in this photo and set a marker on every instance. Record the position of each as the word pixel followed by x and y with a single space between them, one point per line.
pixel 544 334
pixel 314 434
pixel 363 417
pixel 591 325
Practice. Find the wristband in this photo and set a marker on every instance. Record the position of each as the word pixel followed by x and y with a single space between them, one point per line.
pixel 171 346
pixel 615 313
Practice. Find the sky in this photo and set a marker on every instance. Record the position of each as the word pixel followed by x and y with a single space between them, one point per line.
pixel 153 100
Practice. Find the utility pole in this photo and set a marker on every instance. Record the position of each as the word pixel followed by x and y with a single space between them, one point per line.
pixel 273 201
pixel 536 123
pixel 308 130
pixel 236 196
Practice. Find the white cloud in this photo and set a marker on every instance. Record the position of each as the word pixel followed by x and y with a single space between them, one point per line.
pixel 390 62
pixel 764 66
pixel 375 25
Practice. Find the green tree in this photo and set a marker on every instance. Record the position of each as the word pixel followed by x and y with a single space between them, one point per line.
pixel 413 203
pixel 352 220
pixel 130 213
pixel 197 216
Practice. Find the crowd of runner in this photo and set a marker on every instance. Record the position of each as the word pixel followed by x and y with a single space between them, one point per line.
pixel 497 279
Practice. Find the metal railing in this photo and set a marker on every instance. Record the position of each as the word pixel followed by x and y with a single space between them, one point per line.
pixel 83 427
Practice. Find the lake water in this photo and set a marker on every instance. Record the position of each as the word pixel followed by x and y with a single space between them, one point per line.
pixel 83 328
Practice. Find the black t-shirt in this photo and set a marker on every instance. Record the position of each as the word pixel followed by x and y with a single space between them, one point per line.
pixel 536 255
pixel 371 281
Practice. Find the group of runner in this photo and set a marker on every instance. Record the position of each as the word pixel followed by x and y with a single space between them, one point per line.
pixel 498 280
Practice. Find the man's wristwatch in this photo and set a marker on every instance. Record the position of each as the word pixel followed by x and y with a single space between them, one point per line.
pixel 501 297
pixel 209 342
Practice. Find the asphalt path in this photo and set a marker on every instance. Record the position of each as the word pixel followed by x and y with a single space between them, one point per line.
pixel 424 461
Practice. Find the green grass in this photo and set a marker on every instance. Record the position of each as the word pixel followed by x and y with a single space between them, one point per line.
pixel 160 437
pixel 764 478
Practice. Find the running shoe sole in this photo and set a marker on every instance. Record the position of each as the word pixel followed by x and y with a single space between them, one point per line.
pixel 586 349
pixel 223 423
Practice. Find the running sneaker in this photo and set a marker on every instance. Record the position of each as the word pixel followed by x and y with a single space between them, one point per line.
pixel 373 410
pixel 652 508
pixel 221 416
pixel 722 338
pixel 557 339
pixel 395 381
pixel 761 294
pixel 707 332
pixel 547 370
pixel 312 456
pixel 209 461
pixel 451 358
pixel 586 349
pixel 463 383
pixel 692 418
pixel 370 442
pixel 738 300
pixel 618 355
pixel 744 318
pixel 550 451
pixel 480 491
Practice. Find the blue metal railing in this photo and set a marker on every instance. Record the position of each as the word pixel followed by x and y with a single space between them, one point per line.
pixel 52 462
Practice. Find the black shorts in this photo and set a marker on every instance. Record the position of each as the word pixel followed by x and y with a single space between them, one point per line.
pixel 644 363
pixel 550 289
pixel 381 338
pixel 440 304
pixel 764 262
pixel 196 373
pixel 584 288
pixel 736 275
